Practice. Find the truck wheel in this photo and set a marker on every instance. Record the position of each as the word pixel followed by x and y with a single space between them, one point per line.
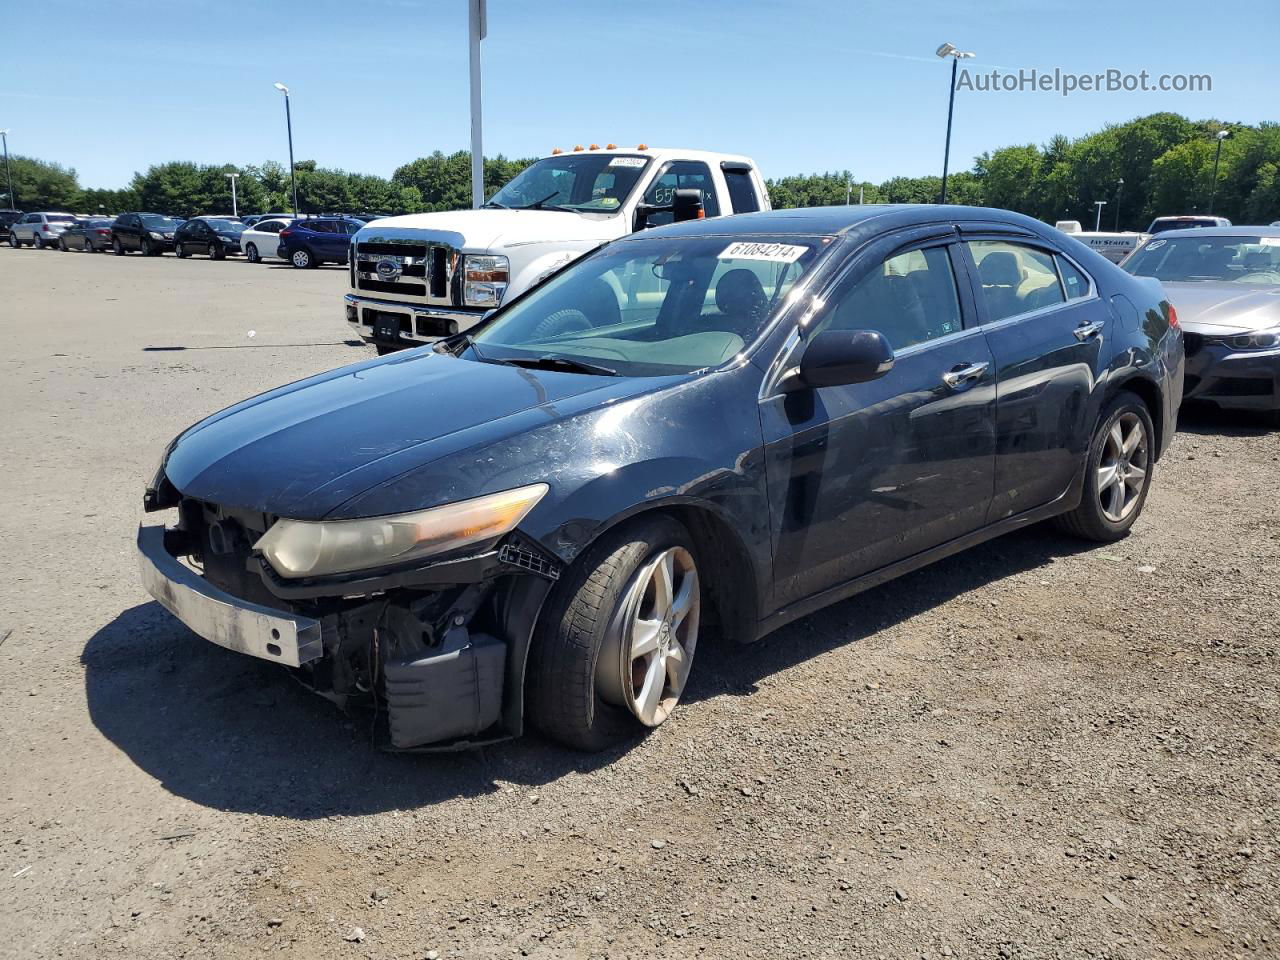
pixel 251 253
pixel 383 349
pixel 612 649
pixel 302 259
pixel 1117 474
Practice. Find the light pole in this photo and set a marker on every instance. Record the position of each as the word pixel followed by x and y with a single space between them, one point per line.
pixel 1097 224
pixel 944 51
pixel 1119 192
pixel 234 210
pixel 1213 192
pixel 13 201
pixel 288 122
pixel 478 26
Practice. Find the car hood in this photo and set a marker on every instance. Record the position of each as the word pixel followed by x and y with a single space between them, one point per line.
pixel 1212 308
pixel 303 450
pixel 493 229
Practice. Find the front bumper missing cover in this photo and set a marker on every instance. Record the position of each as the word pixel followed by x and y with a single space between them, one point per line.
pixel 218 616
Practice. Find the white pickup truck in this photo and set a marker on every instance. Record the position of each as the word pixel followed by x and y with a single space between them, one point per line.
pixel 417 278
pixel 1114 246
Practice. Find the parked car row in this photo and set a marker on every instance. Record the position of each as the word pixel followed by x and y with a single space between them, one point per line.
pixel 304 242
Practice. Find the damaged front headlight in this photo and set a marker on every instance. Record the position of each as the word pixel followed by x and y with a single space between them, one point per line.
pixel 309 548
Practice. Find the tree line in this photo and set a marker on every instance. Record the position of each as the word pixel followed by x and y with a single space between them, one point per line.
pixel 1159 164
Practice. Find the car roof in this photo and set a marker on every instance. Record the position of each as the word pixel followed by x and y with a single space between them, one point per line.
pixel 1235 231
pixel 660 154
pixel 833 221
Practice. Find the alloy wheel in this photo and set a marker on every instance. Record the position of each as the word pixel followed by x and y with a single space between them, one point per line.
pixel 647 653
pixel 1123 468
pixel 301 258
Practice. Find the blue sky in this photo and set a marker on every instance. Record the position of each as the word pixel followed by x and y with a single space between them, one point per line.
pixel 109 88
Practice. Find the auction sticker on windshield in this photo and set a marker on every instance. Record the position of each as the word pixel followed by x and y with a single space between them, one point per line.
pixel 773 252
pixel 627 162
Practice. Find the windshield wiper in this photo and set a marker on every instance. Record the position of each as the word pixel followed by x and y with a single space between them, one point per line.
pixel 494 203
pixel 538 204
pixel 553 361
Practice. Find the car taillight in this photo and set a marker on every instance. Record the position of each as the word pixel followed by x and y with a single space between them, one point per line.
pixel 1173 316
pixel 286 233
pixel 44 227
pixel 102 232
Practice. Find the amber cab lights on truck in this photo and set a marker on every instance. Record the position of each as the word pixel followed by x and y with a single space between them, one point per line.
pixel 417 278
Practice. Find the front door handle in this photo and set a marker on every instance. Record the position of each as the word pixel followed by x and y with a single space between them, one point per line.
pixel 964 373
pixel 1087 330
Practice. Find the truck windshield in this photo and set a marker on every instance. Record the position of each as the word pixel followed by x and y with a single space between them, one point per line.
pixel 651 307
pixel 581 182
pixel 1186 257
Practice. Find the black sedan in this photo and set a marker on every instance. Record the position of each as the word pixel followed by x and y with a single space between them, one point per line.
pixel 213 236
pixel 90 236
pixel 1225 284
pixel 720 424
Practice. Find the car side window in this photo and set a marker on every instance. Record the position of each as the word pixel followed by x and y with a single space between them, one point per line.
pixel 1015 278
pixel 1075 282
pixel 911 298
pixel 352 227
pixel 269 226
pixel 742 192
pixel 681 175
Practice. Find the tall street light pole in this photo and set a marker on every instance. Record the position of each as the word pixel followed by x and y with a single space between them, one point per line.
pixel 944 51
pixel 235 212
pixel 288 122
pixel 13 201
pixel 1097 224
pixel 1213 193
pixel 1119 191
pixel 478 27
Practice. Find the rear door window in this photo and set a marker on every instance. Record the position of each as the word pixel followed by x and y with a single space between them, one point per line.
pixel 1075 282
pixel 1015 278
pixel 742 189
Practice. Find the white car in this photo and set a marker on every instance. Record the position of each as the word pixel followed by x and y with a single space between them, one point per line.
pixel 39 229
pixel 261 240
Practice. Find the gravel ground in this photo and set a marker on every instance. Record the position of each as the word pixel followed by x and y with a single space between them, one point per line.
pixel 1034 749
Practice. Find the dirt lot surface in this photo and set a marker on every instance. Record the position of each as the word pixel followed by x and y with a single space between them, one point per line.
pixel 1035 749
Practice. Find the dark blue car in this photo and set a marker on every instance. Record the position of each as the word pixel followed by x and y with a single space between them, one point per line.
pixel 724 424
pixel 316 240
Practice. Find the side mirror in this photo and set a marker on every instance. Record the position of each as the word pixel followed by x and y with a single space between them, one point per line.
pixel 836 358
pixel 687 205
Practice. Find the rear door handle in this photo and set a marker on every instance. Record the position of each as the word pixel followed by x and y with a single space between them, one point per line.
pixel 1087 330
pixel 963 374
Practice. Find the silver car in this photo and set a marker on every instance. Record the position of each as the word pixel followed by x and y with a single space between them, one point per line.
pixel 1224 283
pixel 39 229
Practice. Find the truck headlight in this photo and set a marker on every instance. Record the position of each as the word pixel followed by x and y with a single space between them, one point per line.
pixel 484 280
pixel 306 548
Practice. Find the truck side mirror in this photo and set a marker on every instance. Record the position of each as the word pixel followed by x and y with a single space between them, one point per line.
pixel 687 205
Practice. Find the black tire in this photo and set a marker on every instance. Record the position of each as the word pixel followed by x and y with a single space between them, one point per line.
pixel 216 252
pixel 37 241
pixel 383 349
pixel 1089 521
pixel 561 693
pixel 89 247
pixel 14 241
pixel 62 245
pixel 251 253
pixel 303 259
pixel 1272 419
pixel 117 247
pixel 145 247
pixel 181 251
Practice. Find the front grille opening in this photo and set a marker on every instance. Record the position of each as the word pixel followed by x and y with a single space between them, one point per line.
pixel 381 286
pixel 439 268
pixel 436 327
pixel 399 249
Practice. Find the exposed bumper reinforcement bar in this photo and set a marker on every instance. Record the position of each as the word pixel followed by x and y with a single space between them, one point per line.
pixel 218 616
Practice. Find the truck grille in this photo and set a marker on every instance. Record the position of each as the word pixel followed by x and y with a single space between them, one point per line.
pixel 423 271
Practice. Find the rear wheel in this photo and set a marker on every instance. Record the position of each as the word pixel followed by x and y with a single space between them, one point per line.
pixel 302 259
pixel 89 247
pixel 117 247
pixel 251 253
pixel 613 648
pixel 1117 472
pixel 38 242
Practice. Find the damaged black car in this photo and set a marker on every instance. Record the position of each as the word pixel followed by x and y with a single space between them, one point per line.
pixel 721 425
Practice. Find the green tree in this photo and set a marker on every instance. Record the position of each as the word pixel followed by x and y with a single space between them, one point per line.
pixel 41 185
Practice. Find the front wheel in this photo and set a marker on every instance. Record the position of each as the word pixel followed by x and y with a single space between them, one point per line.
pixel 117 248
pixel 181 251
pixel 251 253
pixel 14 241
pixel 1117 472
pixel 62 245
pixel 612 650
pixel 302 259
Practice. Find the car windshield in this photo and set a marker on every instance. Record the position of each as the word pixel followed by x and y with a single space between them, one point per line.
pixel 157 222
pixel 59 218
pixel 226 226
pixel 653 306
pixel 586 182
pixel 1163 226
pixel 1242 259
